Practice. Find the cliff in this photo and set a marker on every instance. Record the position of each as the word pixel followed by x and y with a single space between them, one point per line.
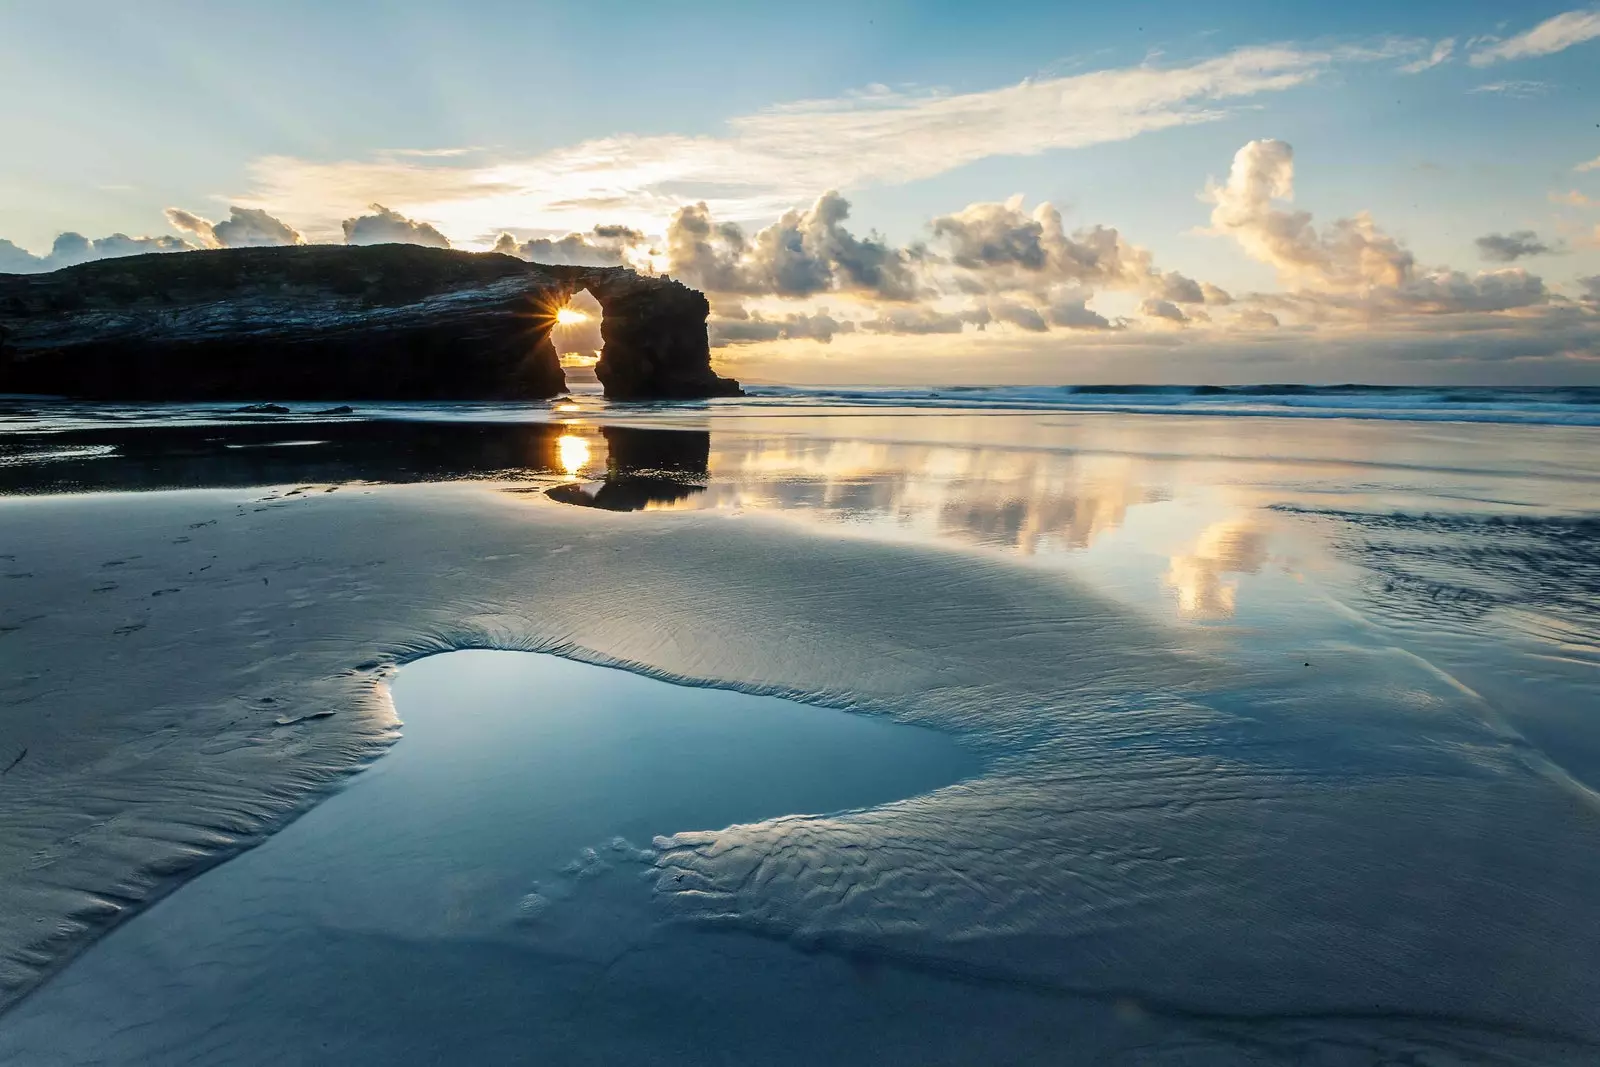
pixel 332 322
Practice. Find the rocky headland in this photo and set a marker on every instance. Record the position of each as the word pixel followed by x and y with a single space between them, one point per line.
pixel 333 322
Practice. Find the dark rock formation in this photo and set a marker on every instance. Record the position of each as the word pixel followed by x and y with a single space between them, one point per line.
pixel 655 341
pixel 330 322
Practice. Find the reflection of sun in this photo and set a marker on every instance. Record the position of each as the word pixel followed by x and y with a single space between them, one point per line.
pixel 570 317
pixel 574 452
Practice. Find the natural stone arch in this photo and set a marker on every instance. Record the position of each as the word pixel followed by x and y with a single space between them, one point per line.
pixel 329 322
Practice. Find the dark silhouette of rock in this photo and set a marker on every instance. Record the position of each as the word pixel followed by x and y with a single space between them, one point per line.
pixel 332 322
pixel 261 409
pixel 655 341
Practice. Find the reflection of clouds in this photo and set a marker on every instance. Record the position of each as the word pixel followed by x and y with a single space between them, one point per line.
pixel 1204 577
pixel 1031 502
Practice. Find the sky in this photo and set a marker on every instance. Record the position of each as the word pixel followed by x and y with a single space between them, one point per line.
pixel 878 192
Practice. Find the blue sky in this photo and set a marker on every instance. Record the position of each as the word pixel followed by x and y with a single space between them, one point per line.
pixel 1444 123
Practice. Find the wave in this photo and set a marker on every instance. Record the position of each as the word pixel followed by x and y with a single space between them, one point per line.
pixel 1562 406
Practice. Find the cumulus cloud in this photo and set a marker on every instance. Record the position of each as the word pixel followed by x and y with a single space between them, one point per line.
pixel 804 253
pixel 390 227
pixel 1554 34
pixel 73 248
pixel 1018 267
pixel 1591 289
pixel 1153 308
pixel 1352 254
pixel 753 327
pixel 1068 311
pixel 923 320
pixel 1003 247
pixel 1174 287
pixel 1019 315
pixel 244 227
pixel 1350 266
pixel 1509 247
pixel 603 246
pixel 1440 53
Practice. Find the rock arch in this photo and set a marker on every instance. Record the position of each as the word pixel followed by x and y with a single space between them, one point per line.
pixel 333 322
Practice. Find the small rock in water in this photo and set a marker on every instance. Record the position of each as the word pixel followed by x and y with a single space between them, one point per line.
pixel 342 409
pixel 261 409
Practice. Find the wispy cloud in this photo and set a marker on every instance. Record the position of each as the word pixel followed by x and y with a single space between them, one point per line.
pixel 770 159
pixel 1441 52
pixel 1520 89
pixel 1553 35
pixel 1593 164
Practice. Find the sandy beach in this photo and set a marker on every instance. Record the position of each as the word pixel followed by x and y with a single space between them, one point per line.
pixel 1235 783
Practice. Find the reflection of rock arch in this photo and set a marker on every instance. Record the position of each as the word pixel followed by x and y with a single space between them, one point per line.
pixel 644 467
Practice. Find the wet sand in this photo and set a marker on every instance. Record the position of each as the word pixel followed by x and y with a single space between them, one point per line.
pixel 1245 789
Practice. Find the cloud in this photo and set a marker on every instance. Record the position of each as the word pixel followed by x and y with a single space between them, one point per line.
pixel 764 161
pixel 1162 309
pixel 1593 164
pixel 390 227
pixel 804 253
pixel 1351 254
pixel 1553 35
pixel 1350 268
pixel 1441 52
pixel 1069 312
pixel 1573 198
pixel 603 246
pixel 1255 319
pixel 1002 247
pixel 1522 90
pixel 1178 289
pixel 1509 247
pixel 245 227
pixel 753 328
pixel 1591 289
pixel 73 248
pixel 922 320
pixel 1019 315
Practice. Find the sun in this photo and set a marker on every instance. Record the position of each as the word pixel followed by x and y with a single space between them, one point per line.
pixel 569 317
